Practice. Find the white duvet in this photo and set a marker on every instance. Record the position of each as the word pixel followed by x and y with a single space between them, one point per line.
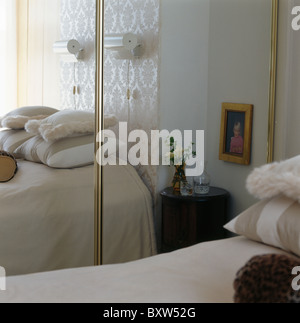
pixel 47 218
pixel 200 274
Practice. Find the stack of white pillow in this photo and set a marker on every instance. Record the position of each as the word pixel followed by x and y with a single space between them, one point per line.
pixel 59 139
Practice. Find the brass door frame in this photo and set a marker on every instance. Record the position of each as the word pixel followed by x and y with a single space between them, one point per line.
pixel 272 88
pixel 98 227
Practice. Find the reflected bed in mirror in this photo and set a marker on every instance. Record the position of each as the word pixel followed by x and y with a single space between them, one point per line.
pixel 47 208
pixel 46 218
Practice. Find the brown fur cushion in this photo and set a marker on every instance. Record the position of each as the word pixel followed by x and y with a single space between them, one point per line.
pixel 8 166
pixel 267 279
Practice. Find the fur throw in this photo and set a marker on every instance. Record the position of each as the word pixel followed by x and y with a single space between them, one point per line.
pixel 276 178
pixel 53 133
pixel 110 121
pixel 18 122
pixel 66 124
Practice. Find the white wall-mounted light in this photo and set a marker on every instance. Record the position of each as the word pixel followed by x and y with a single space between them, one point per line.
pixel 71 50
pixel 123 43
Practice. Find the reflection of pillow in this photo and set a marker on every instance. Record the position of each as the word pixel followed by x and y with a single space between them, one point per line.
pixel 276 178
pixel 17 118
pixel 111 145
pixel 267 279
pixel 65 153
pixel 63 124
pixel 10 140
pixel 67 123
pixel 110 121
pixel 275 222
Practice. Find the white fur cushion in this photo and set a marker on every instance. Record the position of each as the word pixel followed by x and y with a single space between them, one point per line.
pixel 18 122
pixel 276 178
pixel 110 121
pixel 66 123
pixel 17 118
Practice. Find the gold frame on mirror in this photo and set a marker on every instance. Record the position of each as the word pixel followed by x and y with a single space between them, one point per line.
pixel 98 254
pixel 272 86
pixel 100 112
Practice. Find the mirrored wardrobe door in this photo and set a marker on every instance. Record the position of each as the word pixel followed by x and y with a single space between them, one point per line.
pixel 217 55
pixel 171 64
pixel 130 98
pixel 47 209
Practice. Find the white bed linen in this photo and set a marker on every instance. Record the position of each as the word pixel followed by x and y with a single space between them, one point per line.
pixel 200 274
pixel 47 218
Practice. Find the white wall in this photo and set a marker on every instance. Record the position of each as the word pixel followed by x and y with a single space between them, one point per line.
pixel 183 71
pixel 287 129
pixel 183 68
pixel 212 52
pixel 239 52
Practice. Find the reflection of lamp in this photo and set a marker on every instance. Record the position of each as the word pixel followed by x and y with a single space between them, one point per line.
pixel 123 43
pixel 70 50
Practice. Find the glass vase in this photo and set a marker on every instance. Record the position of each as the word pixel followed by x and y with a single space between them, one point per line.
pixel 202 183
pixel 186 188
pixel 179 176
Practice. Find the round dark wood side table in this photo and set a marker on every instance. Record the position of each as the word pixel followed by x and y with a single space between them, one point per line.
pixel 188 220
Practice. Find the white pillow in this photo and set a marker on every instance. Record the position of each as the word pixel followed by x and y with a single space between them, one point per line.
pixel 17 118
pixel 64 153
pixel 110 120
pixel 275 222
pixel 110 150
pixel 65 123
pixel 10 140
pixel 276 178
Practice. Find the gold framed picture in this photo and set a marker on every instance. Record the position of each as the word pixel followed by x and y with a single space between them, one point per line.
pixel 236 133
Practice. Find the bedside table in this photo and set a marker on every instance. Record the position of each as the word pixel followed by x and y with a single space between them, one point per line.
pixel 188 220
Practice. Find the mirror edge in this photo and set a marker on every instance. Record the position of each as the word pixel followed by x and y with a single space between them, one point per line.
pixel 98 233
pixel 272 87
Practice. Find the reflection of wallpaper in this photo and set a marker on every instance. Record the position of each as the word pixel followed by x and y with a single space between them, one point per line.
pixel 139 75
pixel 121 16
pixel 78 22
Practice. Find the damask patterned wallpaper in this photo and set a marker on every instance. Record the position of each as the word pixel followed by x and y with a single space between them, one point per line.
pixel 78 22
pixel 139 75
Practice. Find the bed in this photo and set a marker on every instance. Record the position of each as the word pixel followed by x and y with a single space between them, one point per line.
pixel 47 209
pixel 47 218
pixel 261 264
pixel 203 273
